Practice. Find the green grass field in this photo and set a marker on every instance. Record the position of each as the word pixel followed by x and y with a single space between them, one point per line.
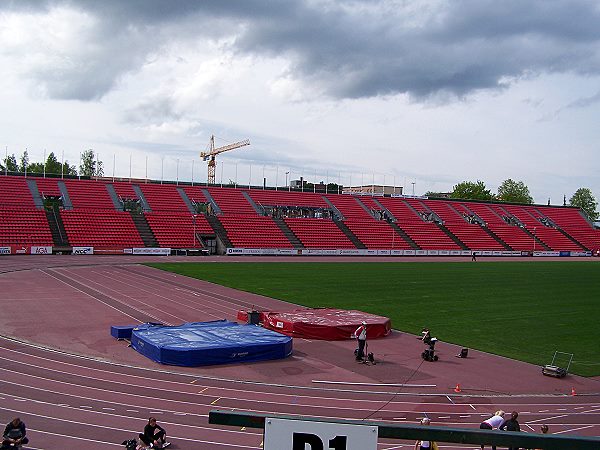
pixel 522 310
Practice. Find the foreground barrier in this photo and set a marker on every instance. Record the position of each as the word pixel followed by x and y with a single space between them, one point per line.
pixel 344 441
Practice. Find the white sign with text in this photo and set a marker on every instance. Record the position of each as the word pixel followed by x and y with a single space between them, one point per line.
pixel 288 434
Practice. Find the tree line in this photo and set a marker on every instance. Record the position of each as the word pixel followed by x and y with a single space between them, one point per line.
pixel 515 192
pixel 90 166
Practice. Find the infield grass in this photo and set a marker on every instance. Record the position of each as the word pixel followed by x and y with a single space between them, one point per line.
pixel 522 310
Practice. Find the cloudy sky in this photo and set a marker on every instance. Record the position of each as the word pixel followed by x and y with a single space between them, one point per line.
pixel 429 92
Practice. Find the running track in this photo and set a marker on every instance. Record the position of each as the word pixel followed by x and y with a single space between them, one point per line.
pixel 76 387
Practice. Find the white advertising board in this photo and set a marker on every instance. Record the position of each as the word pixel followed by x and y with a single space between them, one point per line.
pixel 288 434
pixel 39 250
pixel 151 251
pixel 83 250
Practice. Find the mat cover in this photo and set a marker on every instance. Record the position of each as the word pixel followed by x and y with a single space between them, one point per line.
pixel 326 323
pixel 208 343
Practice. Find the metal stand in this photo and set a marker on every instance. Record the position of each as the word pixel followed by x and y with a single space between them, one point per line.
pixel 553 370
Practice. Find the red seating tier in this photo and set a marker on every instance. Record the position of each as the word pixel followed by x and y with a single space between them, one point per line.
pixel 14 191
pixel 231 201
pixel 176 229
pixel 101 228
pixel 254 232
pixel 24 227
pixel 163 197
pixel 319 233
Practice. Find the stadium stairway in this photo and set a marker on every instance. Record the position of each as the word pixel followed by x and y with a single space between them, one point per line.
pixel 342 226
pixel 35 193
pixel 288 232
pixel 452 236
pixel 57 228
pixel 497 238
pixel 143 228
pixel 258 210
pixel 572 239
pixel 211 201
pixel 405 236
pixel 219 230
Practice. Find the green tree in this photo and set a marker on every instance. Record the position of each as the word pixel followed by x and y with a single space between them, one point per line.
pixel 54 166
pixel 24 165
pixel 90 166
pixel 468 190
pixel 514 191
pixel 37 167
pixel 10 164
pixel 583 198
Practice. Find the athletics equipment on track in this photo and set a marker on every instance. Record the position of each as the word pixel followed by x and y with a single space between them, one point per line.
pixel 207 343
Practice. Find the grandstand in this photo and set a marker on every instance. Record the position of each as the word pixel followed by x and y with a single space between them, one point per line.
pixel 113 216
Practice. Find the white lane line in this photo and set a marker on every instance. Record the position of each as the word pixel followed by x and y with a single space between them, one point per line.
pixel 574 429
pixel 450 400
pixel 474 409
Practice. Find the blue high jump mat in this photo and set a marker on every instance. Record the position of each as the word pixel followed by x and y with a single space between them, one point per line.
pixel 208 343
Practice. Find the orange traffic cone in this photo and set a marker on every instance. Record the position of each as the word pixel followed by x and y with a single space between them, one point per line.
pixel 457 388
pixel 573 393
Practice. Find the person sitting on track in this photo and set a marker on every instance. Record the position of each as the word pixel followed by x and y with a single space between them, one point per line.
pixel 154 435
pixel 14 434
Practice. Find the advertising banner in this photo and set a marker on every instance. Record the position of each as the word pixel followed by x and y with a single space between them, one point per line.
pixel 5 250
pixel 83 250
pixel 39 250
pixel 151 251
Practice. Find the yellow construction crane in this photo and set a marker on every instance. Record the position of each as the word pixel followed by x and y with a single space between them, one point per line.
pixel 213 152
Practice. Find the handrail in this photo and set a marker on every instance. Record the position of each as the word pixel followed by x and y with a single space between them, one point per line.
pixel 413 432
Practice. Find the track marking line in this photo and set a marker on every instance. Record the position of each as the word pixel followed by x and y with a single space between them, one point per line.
pixel 450 400
pixel 549 418
pixel 215 401
pixel 474 409
pixel 574 429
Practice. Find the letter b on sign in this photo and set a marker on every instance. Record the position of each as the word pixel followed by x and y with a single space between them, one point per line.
pixel 288 434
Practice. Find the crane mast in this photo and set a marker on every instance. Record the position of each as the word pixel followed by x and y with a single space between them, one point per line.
pixel 212 152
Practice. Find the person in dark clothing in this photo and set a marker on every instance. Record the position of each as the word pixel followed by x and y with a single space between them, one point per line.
pixel 154 435
pixel 511 425
pixel 14 434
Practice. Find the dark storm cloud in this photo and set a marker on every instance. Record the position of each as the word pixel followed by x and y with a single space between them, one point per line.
pixel 349 49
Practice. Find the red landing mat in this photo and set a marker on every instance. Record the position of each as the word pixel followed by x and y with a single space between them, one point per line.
pixel 322 323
